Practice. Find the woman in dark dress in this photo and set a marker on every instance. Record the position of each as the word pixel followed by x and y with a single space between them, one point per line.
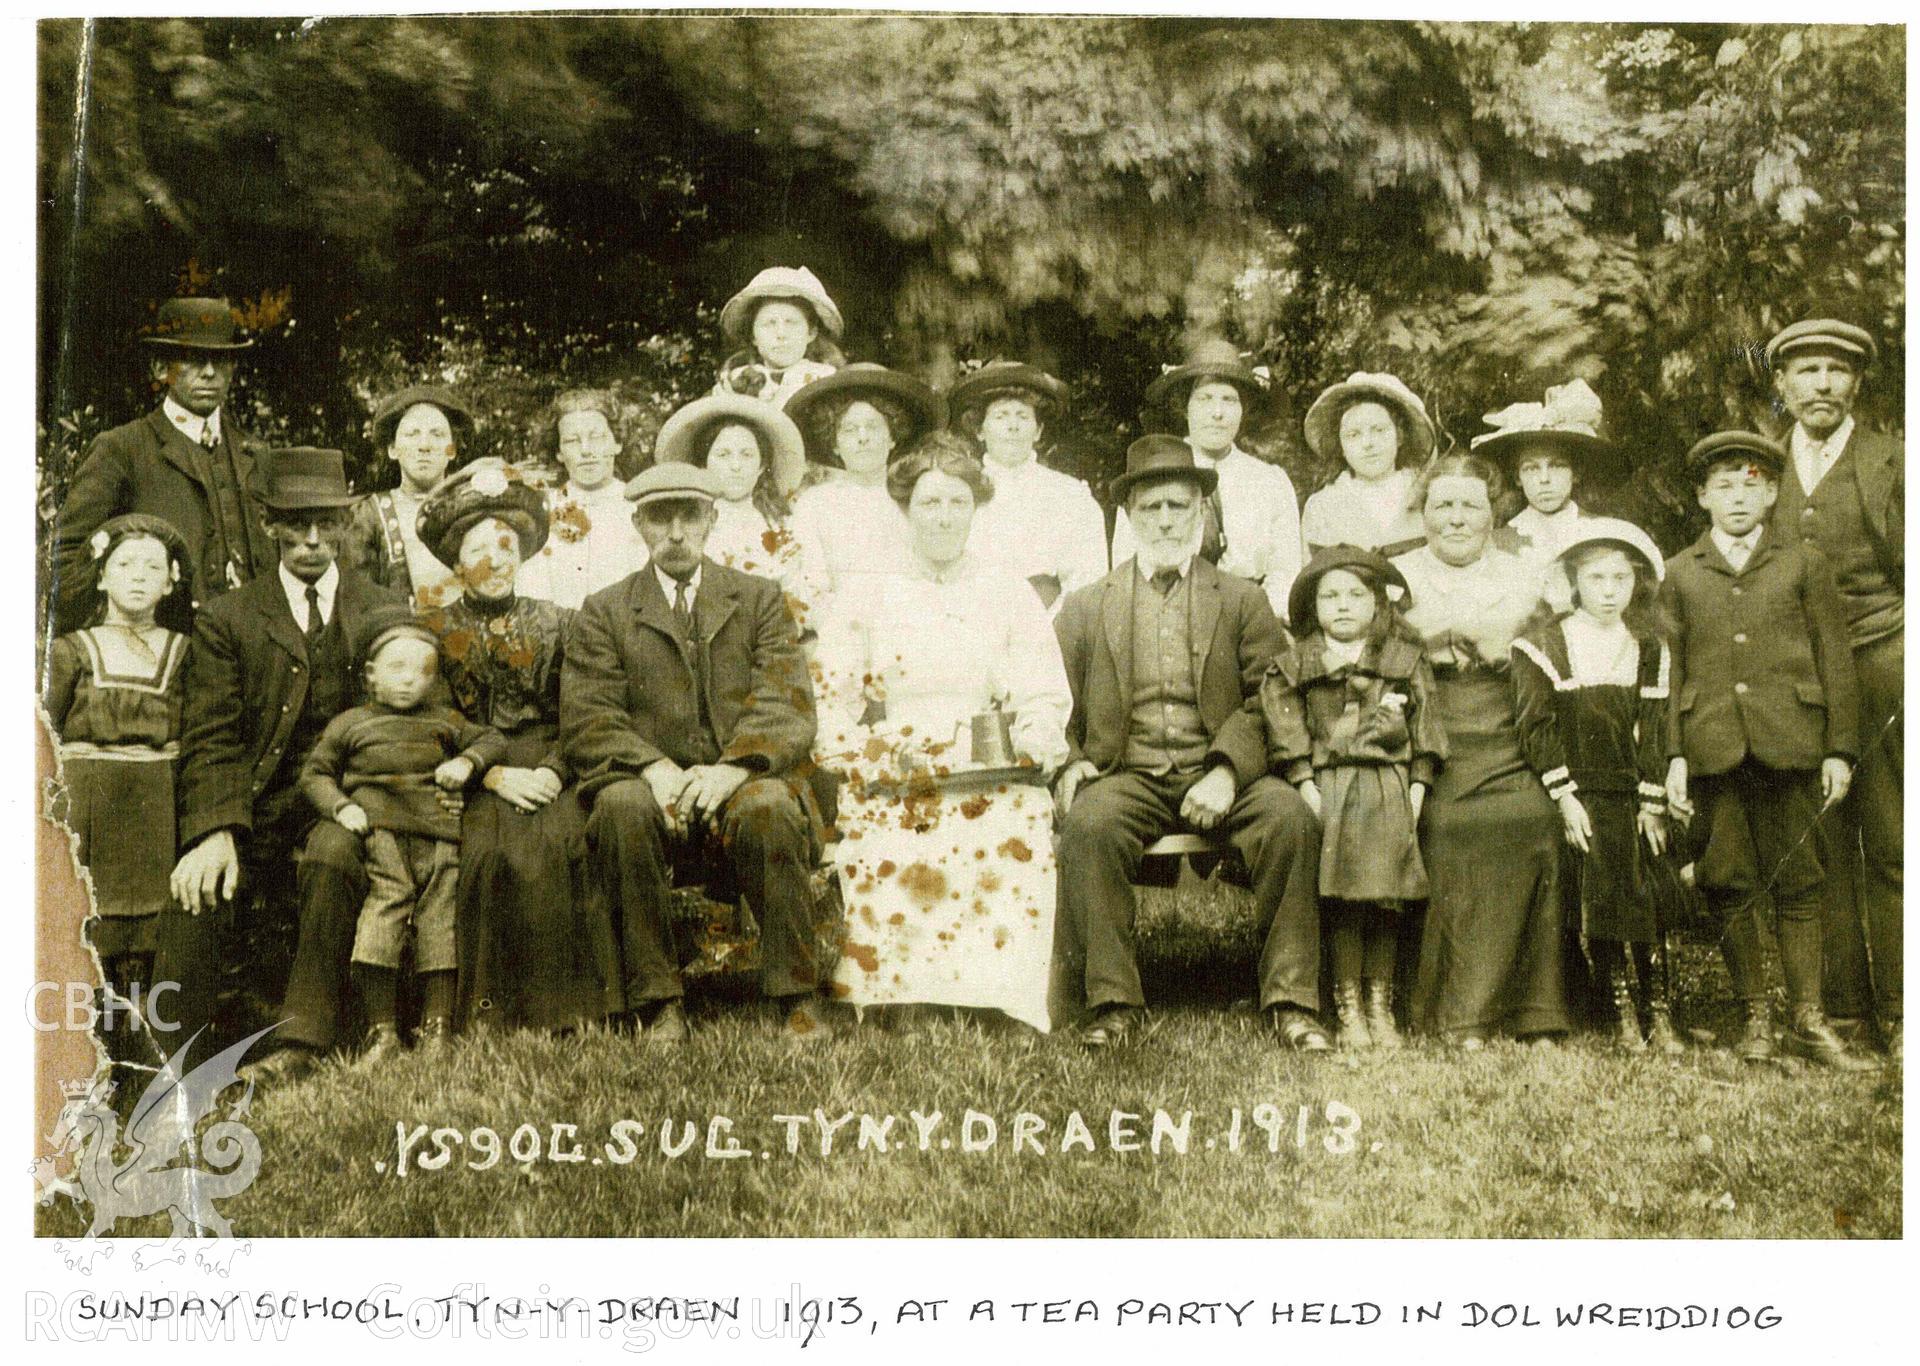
pixel 1490 953
pixel 534 949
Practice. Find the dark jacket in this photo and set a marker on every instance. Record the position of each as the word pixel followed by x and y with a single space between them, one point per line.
pixel 1761 662
pixel 1379 710
pixel 246 682
pixel 147 465
pixel 1235 637
pixel 627 682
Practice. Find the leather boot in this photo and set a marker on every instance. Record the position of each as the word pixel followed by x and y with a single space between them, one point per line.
pixel 1625 1015
pixel 1380 1014
pixel 1353 1023
pixel 1813 1038
pixel 1756 1040
pixel 1660 1032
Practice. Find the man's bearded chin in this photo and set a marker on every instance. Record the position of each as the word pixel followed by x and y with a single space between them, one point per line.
pixel 1154 556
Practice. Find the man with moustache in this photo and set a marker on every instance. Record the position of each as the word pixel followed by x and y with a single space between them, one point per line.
pixel 686 709
pixel 270 664
pixel 1163 655
pixel 187 461
pixel 1845 493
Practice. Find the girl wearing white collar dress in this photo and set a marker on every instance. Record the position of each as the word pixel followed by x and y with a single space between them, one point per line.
pixel 786 327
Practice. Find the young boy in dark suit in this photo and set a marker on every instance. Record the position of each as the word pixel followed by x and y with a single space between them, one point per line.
pixel 1762 729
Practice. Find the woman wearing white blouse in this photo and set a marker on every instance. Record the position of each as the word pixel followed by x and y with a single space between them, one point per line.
pixel 1379 431
pixel 948 880
pixel 592 543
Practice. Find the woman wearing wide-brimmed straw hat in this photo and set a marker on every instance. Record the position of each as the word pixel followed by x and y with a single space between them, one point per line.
pixel 856 422
pixel 423 430
pixel 1375 431
pixel 787 328
pixel 1253 516
pixel 757 458
pixel 1042 526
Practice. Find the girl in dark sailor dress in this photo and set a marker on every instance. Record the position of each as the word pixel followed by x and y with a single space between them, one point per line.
pixel 113 694
pixel 1591 692
pixel 1351 723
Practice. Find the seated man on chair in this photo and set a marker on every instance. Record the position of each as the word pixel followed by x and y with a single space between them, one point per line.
pixel 1163 654
pixel 686 708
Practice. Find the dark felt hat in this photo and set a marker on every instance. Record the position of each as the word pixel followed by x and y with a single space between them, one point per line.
pixel 387 622
pixel 1212 359
pixel 1160 457
pixel 486 488
pixel 924 407
pixel 1822 334
pixel 195 325
pixel 304 477
pixel 999 378
pixel 1709 451
pixel 1367 563
pixel 386 417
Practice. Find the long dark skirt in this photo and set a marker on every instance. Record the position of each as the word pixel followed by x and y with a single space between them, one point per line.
pixel 535 949
pixel 1491 952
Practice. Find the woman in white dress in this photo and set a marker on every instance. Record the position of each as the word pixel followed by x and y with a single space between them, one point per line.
pixel 757 454
pixel 592 543
pixel 855 421
pixel 946 865
pixel 1379 432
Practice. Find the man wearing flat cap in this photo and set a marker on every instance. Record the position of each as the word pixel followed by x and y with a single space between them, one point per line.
pixel 1845 493
pixel 269 667
pixel 686 709
pixel 187 461
pixel 1164 655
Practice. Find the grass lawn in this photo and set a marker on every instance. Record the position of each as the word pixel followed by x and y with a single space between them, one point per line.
pixel 1576 1141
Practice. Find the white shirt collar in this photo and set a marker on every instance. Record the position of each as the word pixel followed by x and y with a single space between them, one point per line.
pixel 1208 462
pixel 192 425
pixel 1340 652
pixel 1813 459
pixel 1747 543
pixel 668 583
pixel 296 590
pixel 1181 569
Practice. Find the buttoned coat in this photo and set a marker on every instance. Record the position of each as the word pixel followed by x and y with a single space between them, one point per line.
pixel 246 681
pixel 147 465
pixel 1235 637
pixel 1879 467
pixel 627 685
pixel 1761 662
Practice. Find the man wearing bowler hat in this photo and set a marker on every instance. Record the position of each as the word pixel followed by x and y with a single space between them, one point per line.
pixel 686 709
pixel 1845 493
pixel 270 665
pixel 186 461
pixel 1163 655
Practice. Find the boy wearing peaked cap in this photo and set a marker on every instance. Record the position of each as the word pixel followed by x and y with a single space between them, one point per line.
pixel 1762 729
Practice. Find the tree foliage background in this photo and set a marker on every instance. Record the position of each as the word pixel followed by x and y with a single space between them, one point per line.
pixel 520 204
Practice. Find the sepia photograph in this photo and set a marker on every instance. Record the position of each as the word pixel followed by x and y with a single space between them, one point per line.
pixel 918 626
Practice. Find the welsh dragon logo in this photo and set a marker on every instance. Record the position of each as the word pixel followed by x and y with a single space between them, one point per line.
pixel 163 1159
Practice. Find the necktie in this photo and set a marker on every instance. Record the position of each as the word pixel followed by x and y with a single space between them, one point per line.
pixel 1213 537
pixel 314 624
pixel 207 439
pixel 682 610
pixel 1737 554
pixel 1163 580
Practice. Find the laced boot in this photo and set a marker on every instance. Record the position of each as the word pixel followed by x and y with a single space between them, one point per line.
pixel 1380 1013
pixel 1352 1022
pixel 1813 1038
pixel 1626 1014
pixel 1661 1036
pixel 1756 1040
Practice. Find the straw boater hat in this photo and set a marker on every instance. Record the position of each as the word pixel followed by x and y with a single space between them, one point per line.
pixel 1214 358
pixel 301 478
pixel 1569 420
pixel 1001 377
pixel 1708 451
pixel 1159 457
pixel 864 377
pixel 670 481
pixel 1369 564
pixel 1822 334
pixel 386 417
pixel 684 436
pixel 788 283
pixel 1323 418
pixel 1616 531
pixel 486 488
pixel 195 325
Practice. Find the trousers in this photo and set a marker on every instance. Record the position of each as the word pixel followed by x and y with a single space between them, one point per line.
pixel 1861 909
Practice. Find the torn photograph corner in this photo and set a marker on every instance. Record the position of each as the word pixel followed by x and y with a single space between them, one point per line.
pixel 919 626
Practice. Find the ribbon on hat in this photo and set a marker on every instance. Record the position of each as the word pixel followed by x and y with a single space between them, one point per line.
pixel 1570 407
pixel 99 543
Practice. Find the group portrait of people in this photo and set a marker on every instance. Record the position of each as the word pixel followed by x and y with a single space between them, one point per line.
pixel 457 741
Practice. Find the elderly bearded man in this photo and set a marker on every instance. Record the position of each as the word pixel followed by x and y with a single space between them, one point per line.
pixel 1163 655
pixel 1845 493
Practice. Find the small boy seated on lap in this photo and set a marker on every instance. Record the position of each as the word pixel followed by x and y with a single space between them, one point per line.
pixel 392 770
